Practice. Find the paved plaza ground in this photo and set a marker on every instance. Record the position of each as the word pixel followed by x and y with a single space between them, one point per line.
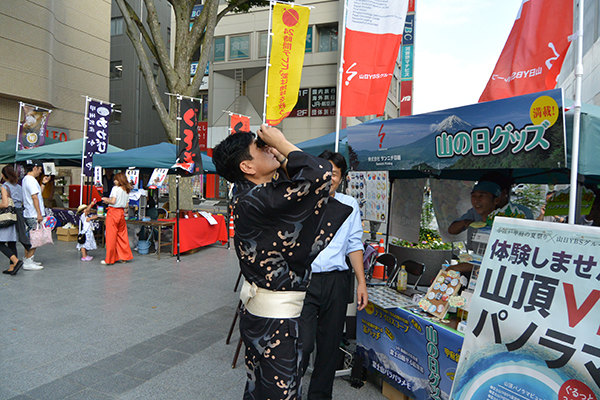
pixel 148 329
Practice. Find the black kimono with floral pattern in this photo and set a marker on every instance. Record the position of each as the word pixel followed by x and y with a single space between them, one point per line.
pixel 280 227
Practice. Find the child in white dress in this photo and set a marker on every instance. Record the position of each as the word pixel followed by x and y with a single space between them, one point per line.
pixel 87 226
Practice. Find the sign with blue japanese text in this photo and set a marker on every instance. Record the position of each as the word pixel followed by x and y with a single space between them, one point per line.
pixel 519 132
pixel 96 141
pixel 412 353
pixel 532 331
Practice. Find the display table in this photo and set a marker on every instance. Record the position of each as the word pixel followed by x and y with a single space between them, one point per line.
pixel 414 354
pixel 197 232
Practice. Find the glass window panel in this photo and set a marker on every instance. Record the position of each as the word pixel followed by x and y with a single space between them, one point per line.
pixel 219 49
pixel 262 52
pixel 328 38
pixel 239 47
pixel 309 40
pixel 116 26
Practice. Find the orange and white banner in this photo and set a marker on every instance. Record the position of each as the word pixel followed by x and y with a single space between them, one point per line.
pixel 534 52
pixel 290 24
pixel 239 123
pixel 372 40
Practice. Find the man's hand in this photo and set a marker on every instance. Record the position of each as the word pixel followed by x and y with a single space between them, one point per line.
pixel 274 137
pixel 39 218
pixel 362 296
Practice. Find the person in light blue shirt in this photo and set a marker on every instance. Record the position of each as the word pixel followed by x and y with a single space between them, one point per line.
pixel 324 312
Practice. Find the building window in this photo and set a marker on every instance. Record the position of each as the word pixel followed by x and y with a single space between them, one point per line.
pixel 239 47
pixel 219 49
pixel 262 51
pixel 116 26
pixel 115 116
pixel 155 71
pixel 328 38
pixel 116 69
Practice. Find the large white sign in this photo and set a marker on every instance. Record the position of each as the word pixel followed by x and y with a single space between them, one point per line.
pixel 533 328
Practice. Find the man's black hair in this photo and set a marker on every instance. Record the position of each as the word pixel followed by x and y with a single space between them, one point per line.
pixel 337 159
pixel 228 155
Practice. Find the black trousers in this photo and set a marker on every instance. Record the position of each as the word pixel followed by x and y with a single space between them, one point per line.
pixel 322 321
pixel 9 249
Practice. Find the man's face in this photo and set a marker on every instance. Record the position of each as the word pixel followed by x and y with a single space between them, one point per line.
pixel 336 178
pixel 483 202
pixel 36 171
pixel 263 161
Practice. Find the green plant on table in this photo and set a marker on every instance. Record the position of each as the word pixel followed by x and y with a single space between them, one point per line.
pixel 428 239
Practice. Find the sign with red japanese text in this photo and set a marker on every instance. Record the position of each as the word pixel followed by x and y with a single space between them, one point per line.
pixel 290 24
pixel 32 126
pixel 534 52
pixel 133 177
pixel 157 178
pixel 518 133
pixel 96 137
pixel 202 135
pixel 373 35
pixel 188 154
pixel 533 328
pixel 239 123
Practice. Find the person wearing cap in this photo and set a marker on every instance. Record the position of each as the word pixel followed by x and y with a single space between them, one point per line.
pixel 485 197
pixel 505 187
pixel 33 206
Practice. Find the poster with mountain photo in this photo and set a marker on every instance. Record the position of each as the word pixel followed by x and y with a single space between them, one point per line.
pixel 518 132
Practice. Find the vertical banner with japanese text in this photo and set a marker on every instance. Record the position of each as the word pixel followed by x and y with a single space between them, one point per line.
pixel 290 24
pixel 32 126
pixel 534 51
pixel 239 123
pixel 188 153
pixel 372 40
pixel 532 331
pixel 202 135
pixel 96 141
pixel 408 61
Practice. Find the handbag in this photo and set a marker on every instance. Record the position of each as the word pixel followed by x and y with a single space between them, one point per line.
pixel 40 236
pixel 81 235
pixel 8 215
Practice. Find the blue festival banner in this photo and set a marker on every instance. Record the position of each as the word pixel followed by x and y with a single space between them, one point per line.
pixel 412 353
pixel 532 331
pixel 519 132
pixel 96 141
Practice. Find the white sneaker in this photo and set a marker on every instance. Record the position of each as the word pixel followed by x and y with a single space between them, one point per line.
pixel 33 261
pixel 30 265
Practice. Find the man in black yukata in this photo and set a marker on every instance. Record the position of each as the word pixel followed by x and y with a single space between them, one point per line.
pixel 283 217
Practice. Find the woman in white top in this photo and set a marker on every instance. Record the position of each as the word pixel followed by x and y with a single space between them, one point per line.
pixel 117 240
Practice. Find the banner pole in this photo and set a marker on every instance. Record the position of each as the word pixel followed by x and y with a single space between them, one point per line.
pixel 576 119
pixel 179 97
pixel 18 130
pixel 268 64
pixel 338 104
pixel 85 128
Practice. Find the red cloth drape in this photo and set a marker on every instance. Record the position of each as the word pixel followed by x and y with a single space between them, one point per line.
pixel 197 232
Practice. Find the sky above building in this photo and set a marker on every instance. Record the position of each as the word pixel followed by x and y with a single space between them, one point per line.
pixel 457 44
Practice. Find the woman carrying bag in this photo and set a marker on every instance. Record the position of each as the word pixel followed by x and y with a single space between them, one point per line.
pixel 8 234
pixel 117 240
pixel 16 193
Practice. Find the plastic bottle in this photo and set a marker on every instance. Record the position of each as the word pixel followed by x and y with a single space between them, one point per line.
pixel 402 278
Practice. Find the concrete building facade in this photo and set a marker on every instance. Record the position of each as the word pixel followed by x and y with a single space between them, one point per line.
pixel 237 74
pixel 53 53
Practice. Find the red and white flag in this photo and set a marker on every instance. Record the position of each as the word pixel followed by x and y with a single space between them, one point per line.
pixel 372 40
pixel 534 52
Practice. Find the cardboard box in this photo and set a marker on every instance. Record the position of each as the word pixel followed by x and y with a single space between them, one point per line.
pixel 67 235
pixel 392 393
